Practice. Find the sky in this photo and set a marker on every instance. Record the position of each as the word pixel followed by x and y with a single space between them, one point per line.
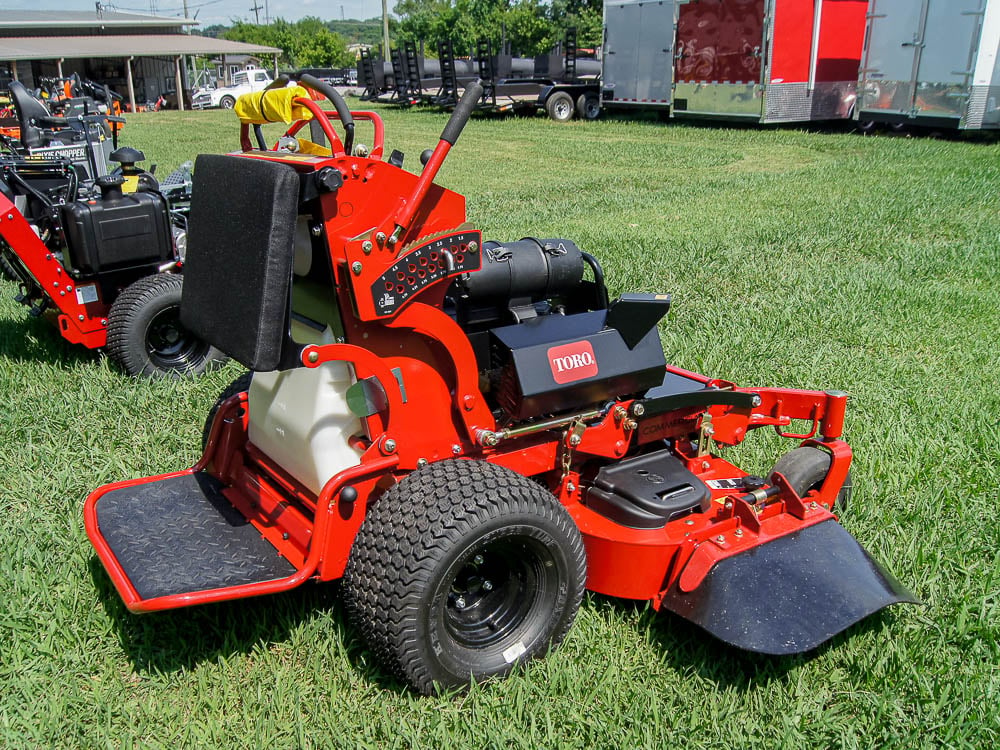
pixel 218 11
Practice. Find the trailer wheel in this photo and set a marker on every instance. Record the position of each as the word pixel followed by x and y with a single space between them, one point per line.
pixel 240 384
pixel 560 106
pixel 805 469
pixel 227 102
pixel 145 335
pixel 588 106
pixel 461 571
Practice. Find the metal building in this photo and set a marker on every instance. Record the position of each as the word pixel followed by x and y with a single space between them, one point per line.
pixel 933 63
pixel 758 60
pixel 139 57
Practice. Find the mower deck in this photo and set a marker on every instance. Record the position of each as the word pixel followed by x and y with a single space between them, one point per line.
pixel 180 535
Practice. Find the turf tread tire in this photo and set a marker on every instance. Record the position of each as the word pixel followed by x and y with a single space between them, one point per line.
pixel 427 522
pixel 7 268
pixel 131 315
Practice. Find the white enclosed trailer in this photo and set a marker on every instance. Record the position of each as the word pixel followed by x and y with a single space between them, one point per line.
pixel 932 63
pixel 757 60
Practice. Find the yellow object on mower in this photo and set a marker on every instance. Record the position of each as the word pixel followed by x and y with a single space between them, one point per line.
pixel 273 105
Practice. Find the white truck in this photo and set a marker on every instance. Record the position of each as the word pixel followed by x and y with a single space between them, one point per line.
pixel 244 82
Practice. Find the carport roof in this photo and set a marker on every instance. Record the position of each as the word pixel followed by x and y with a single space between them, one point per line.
pixel 124 45
pixel 34 19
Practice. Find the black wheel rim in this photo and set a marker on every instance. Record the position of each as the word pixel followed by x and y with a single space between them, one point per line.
pixel 170 345
pixel 496 590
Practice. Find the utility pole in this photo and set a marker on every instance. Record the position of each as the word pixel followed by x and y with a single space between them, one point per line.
pixel 385 30
pixel 257 7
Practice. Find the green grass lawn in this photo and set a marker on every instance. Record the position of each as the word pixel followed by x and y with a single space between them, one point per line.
pixel 807 259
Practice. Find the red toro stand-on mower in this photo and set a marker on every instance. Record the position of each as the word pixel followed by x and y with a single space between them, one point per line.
pixel 467 433
pixel 104 264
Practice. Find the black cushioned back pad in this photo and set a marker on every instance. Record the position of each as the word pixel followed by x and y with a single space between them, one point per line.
pixel 238 269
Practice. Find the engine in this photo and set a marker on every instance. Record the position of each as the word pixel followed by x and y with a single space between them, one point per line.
pixel 546 339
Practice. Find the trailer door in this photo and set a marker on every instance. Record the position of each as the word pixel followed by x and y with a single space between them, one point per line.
pixel 720 52
pixel 946 59
pixel 919 58
pixel 637 67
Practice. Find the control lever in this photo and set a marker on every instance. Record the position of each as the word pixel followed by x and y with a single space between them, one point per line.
pixel 449 136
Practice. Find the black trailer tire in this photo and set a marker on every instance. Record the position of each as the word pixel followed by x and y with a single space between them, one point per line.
pixel 227 102
pixel 588 106
pixel 462 571
pixel 240 384
pixel 806 467
pixel 145 335
pixel 560 106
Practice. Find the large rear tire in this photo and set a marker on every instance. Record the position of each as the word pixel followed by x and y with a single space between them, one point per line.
pixel 463 570
pixel 145 335
pixel 806 467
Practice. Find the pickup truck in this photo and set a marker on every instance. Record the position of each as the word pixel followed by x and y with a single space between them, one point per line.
pixel 244 82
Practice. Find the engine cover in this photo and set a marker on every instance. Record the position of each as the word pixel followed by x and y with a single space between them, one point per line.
pixel 554 363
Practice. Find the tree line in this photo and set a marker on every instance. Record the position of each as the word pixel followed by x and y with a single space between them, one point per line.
pixel 525 27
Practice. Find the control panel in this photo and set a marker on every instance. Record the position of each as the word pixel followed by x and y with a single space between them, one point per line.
pixel 424 264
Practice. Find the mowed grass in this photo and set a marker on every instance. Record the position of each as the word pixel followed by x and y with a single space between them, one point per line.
pixel 795 258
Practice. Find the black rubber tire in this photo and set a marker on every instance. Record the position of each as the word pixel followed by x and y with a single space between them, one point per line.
pixel 240 384
pixel 145 335
pixel 6 267
pixel 806 467
pixel 588 106
pixel 461 571
pixel 227 102
pixel 560 107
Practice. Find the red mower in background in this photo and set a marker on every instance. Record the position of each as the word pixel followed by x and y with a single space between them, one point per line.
pixel 97 249
pixel 468 434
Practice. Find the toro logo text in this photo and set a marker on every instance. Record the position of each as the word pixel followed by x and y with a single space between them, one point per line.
pixel 572 362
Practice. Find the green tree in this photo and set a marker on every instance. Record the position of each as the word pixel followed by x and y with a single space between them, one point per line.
pixel 587 16
pixel 304 44
pixel 524 24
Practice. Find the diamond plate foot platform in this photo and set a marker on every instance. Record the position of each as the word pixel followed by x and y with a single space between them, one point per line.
pixel 181 535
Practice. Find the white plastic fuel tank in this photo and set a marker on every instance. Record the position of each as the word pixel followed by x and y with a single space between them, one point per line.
pixel 299 418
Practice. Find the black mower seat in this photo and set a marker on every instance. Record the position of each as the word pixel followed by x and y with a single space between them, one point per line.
pixel 238 268
pixel 33 117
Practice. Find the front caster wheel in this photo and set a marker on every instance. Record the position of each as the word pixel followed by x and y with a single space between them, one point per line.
pixel 463 570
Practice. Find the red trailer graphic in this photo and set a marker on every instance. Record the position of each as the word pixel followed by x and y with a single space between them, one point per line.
pixel 763 60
